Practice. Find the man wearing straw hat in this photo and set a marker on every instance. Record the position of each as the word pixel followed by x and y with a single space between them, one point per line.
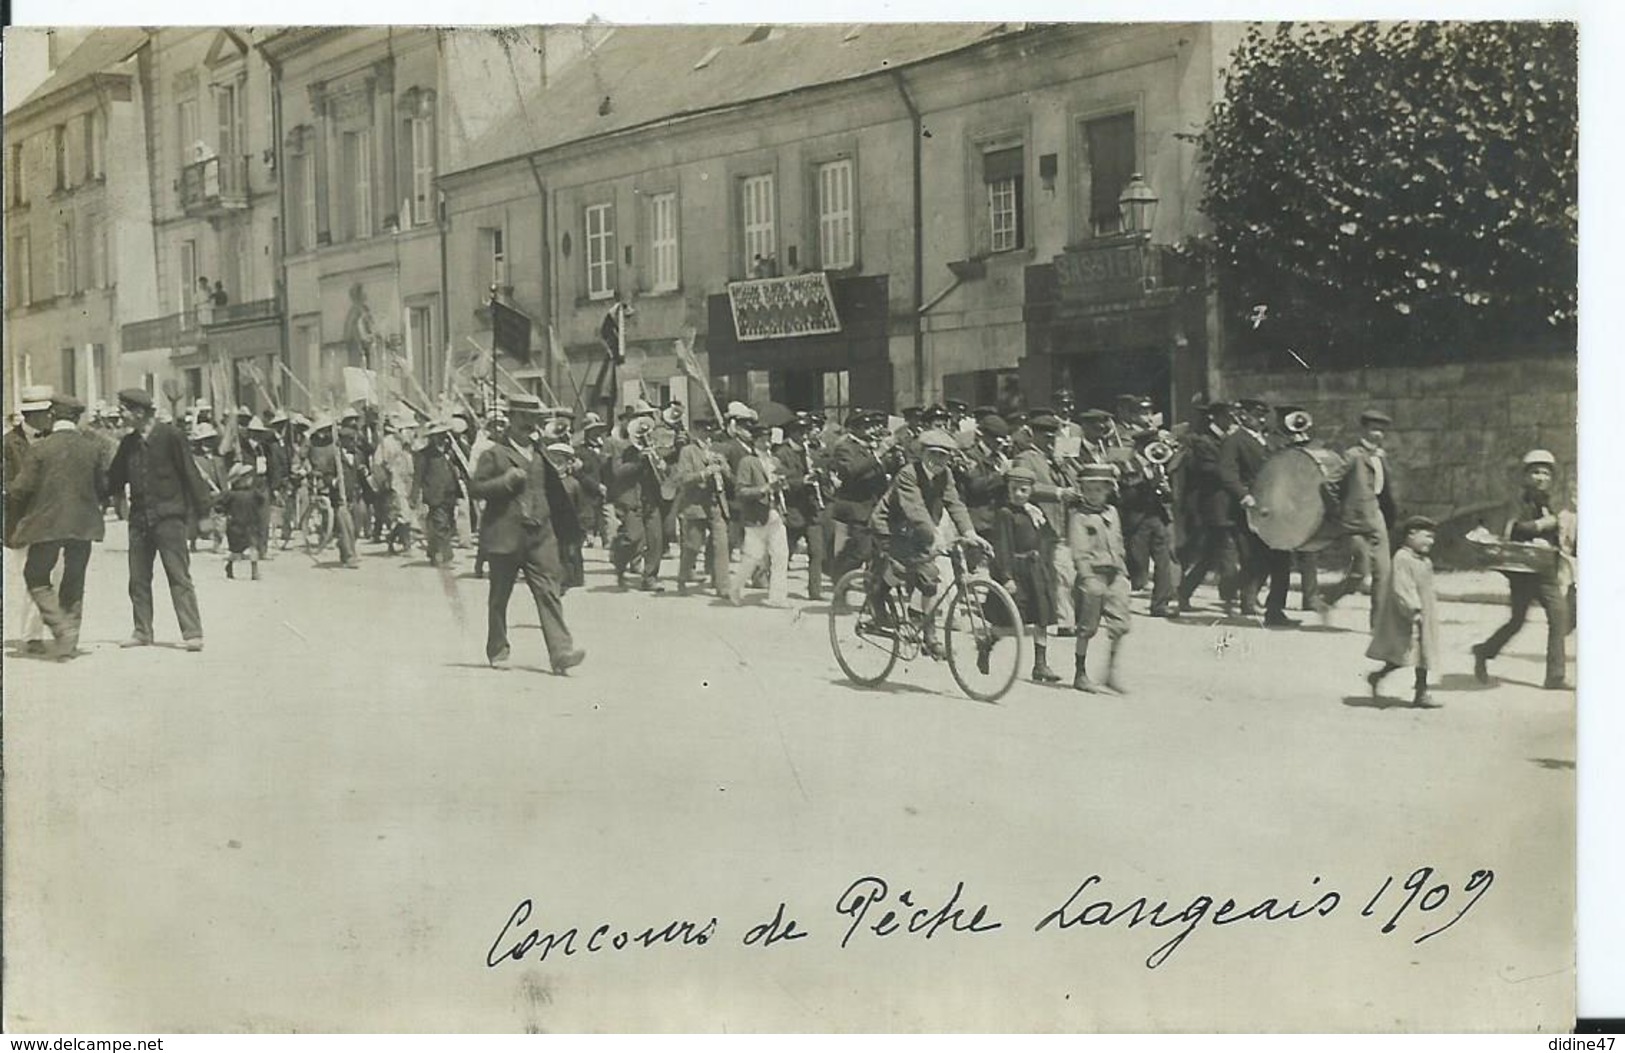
pixel 167 497
pixel 34 423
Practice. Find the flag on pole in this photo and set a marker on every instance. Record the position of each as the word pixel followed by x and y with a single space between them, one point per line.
pixel 610 332
pixel 510 331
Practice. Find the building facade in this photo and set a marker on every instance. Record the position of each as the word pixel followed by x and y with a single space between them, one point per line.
pixel 946 198
pixel 78 230
pixel 359 143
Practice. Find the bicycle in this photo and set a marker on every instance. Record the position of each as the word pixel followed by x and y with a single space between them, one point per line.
pixel 871 628
pixel 318 523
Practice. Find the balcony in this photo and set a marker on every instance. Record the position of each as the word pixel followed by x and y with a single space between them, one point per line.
pixel 233 315
pixel 214 186
pixel 170 331
pixel 193 328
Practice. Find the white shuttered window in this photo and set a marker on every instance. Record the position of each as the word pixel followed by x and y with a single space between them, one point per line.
pixel 835 238
pixel 665 272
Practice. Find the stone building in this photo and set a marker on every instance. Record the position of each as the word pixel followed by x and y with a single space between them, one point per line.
pixel 357 144
pixel 938 178
pixel 78 230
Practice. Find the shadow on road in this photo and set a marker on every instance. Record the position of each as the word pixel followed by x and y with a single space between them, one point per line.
pixel 889 687
pixel 1463 682
pixel 511 667
pixel 1552 763
pixel 1330 630
pixel 1383 702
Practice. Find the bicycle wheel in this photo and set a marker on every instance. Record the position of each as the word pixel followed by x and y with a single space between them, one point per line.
pixel 316 527
pixel 865 644
pixel 982 636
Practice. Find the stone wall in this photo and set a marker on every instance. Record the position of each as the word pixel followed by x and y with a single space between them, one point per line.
pixel 1460 428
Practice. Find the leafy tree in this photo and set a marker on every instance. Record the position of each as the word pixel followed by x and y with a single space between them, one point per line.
pixel 1410 183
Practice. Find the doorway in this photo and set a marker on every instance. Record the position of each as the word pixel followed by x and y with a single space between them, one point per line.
pixel 1095 380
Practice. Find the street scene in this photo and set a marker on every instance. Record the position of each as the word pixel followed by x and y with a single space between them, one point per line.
pixel 885 528
pixel 324 820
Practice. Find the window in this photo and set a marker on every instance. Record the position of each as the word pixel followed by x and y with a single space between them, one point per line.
pixel 19 189
pixel 1004 173
pixel 19 272
pixel 600 251
pixel 95 144
pixel 302 201
pixel 666 273
pixel 229 122
pixel 1110 158
pixel 422 171
pixel 188 275
pixel 493 251
pixel 65 274
pixel 98 371
pixel 59 138
pixel 358 176
pixel 187 130
pixel 756 215
pixel 194 383
pixel 420 346
pixel 835 215
pixel 96 242
pixel 70 370
pixel 837 393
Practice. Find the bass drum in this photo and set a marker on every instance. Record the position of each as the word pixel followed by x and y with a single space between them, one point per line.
pixel 1295 510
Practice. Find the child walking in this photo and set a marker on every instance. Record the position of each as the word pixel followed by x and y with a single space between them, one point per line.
pixel 1406 628
pixel 243 504
pixel 1024 560
pixel 1095 538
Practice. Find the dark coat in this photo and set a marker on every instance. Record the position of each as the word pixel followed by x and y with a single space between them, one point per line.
pixel 1024 553
pixel 863 479
pixel 527 509
pixel 16 448
pixel 1203 489
pixel 1241 455
pixel 982 486
pixel 435 478
pixel 59 490
pixel 164 482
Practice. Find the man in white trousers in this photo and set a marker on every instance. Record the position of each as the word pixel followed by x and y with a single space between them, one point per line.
pixel 759 485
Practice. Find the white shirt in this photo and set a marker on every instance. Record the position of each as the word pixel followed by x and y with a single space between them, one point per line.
pixel 1379 477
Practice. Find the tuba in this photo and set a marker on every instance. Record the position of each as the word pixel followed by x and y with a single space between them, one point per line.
pixel 1298 422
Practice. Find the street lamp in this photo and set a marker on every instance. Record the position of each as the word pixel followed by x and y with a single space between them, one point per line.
pixel 1138 204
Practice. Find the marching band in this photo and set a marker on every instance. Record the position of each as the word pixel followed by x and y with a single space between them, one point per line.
pixel 1080 509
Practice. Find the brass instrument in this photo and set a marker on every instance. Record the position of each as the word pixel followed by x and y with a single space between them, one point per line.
pixel 1158 452
pixel 714 465
pixel 1298 422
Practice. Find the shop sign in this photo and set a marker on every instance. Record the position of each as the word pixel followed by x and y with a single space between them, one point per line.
pixel 1107 273
pixel 773 308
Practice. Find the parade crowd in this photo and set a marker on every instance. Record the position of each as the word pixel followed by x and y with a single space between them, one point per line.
pixel 1074 511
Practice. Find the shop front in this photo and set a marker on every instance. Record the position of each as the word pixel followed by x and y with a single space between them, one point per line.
pixel 1116 316
pixel 808 341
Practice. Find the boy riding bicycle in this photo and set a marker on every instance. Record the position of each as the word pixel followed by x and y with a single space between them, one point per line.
pixel 906 520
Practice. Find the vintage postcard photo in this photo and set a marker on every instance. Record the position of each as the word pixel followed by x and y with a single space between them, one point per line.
pixel 872 527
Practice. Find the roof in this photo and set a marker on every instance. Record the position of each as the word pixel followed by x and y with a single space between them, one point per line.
pixel 643 74
pixel 97 53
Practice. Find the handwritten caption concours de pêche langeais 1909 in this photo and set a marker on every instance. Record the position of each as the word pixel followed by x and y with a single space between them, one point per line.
pixel 871 909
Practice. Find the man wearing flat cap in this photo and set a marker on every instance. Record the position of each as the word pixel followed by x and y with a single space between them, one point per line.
pixel 34 411
pixel 167 498
pixel 864 460
pixel 1367 507
pixel 59 503
pixel 1533 520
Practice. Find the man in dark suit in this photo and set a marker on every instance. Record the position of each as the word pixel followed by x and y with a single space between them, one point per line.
pixel 167 496
pixel 1213 543
pixel 59 501
pixel 864 461
pixel 528 517
pixel 1241 455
